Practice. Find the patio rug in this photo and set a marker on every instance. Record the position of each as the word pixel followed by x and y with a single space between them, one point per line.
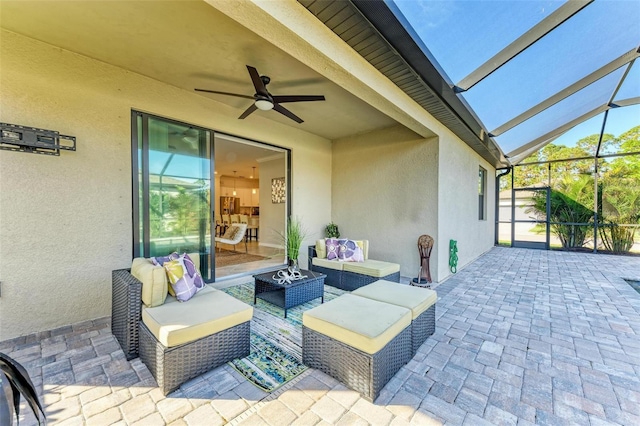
pixel 276 342
pixel 230 257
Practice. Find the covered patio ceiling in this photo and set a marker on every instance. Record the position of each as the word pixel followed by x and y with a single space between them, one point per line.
pixel 190 44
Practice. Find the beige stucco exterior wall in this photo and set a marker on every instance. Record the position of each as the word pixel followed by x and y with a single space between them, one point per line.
pixel 458 203
pixel 385 187
pixel 65 222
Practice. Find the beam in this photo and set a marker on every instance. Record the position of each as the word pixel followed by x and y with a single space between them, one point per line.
pixel 627 58
pixel 558 131
pixel 625 102
pixel 515 156
pixel 541 29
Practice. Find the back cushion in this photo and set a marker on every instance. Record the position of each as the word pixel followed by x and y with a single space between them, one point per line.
pixel 153 279
pixel 364 245
pixel 321 249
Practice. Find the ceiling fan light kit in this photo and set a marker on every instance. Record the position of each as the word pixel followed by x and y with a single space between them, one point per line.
pixel 264 104
pixel 265 101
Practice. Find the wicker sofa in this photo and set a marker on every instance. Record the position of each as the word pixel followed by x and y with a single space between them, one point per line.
pixel 351 275
pixel 177 341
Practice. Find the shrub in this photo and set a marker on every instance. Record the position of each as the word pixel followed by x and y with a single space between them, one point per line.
pixel 332 231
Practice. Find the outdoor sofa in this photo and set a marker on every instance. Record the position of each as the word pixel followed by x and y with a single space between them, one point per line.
pixel 351 275
pixel 176 340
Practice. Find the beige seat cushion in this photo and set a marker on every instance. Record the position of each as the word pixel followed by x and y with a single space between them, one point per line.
pixel 359 322
pixel 325 263
pixel 206 313
pixel 372 268
pixel 416 299
pixel 154 281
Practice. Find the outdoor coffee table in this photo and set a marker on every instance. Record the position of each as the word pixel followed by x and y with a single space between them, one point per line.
pixel 289 295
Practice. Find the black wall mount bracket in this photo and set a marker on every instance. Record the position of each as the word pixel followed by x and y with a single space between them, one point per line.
pixel 18 138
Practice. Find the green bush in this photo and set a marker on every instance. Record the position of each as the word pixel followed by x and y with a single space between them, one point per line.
pixel 332 231
pixel 565 212
pixel 616 238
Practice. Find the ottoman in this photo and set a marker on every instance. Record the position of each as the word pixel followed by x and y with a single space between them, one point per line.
pixel 358 341
pixel 421 302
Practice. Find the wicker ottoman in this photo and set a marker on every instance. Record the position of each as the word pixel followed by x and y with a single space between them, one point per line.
pixel 421 302
pixel 358 341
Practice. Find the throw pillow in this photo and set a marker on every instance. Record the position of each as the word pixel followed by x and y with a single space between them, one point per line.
pixel 230 234
pixel 332 248
pixel 184 278
pixel 349 251
pixel 160 260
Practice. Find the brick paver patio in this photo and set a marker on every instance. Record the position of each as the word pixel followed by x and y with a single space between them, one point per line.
pixel 523 337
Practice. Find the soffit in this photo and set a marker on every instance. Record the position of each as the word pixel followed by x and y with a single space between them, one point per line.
pixel 426 87
pixel 189 44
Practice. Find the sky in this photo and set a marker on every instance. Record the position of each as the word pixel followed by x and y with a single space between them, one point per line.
pixel 463 34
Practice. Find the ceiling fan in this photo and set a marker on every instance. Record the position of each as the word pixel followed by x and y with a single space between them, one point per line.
pixel 264 100
pixel 189 135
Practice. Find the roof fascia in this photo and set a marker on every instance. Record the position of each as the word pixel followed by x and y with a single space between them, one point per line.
pixel 381 15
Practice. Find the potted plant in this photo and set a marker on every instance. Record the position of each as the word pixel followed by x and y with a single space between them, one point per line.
pixel 292 238
pixel 332 231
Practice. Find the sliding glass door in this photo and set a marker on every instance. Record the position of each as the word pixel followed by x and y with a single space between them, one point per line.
pixel 172 189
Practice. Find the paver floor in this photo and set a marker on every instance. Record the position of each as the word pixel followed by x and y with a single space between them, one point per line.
pixel 523 337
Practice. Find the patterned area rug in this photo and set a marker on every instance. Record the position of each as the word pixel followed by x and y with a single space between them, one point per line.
pixel 276 342
pixel 230 257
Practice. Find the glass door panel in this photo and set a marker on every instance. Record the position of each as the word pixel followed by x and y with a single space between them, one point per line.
pixel 174 189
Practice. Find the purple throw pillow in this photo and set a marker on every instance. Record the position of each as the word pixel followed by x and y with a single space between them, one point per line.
pixel 184 278
pixel 160 260
pixel 349 251
pixel 332 248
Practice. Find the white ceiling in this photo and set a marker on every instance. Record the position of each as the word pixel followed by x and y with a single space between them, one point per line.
pixel 189 44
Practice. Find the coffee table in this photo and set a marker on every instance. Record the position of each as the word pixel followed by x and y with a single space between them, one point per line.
pixel 289 295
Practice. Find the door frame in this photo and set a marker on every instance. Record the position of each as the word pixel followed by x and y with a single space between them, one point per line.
pixel 531 244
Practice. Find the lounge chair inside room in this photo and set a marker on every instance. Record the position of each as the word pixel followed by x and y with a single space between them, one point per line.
pixel 239 232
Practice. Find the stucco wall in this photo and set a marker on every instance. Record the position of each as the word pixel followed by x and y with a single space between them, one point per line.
pixel 65 222
pixel 385 187
pixel 272 216
pixel 458 203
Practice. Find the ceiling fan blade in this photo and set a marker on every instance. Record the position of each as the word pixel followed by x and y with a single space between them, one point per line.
pixel 248 111
pixel 297 98
pixel 224 93
pixel 282 110
pixel 257 81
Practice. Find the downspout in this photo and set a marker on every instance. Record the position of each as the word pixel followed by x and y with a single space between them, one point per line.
pixel 497 201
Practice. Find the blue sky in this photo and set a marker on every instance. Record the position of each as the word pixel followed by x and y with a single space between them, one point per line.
pixel 462 35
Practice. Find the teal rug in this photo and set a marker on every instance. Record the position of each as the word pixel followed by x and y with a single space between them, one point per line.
pixel 276 342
